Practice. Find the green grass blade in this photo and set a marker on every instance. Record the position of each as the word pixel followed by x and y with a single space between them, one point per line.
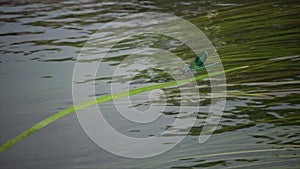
pixel 102 99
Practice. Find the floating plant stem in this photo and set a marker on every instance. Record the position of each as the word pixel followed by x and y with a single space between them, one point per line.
pixel 102 99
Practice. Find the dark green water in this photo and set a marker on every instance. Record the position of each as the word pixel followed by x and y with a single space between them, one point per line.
pixel 40 42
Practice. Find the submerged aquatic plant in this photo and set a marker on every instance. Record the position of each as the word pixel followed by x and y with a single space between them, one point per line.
pixel 106 98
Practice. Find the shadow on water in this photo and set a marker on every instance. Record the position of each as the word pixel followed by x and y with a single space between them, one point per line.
pixel 260 125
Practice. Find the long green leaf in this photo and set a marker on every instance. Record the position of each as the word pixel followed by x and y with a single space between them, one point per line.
pixel 102 99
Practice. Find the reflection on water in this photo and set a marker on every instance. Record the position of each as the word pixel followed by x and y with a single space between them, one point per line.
pixel 40 41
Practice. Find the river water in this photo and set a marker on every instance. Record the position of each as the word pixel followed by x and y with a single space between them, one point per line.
pixel 41 40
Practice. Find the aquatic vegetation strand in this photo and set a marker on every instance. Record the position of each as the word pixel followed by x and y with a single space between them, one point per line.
pixel 102 99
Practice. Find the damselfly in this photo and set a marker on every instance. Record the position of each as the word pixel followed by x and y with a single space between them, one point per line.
pixel 198 63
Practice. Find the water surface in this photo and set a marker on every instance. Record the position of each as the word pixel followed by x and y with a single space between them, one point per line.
pixel 40 41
